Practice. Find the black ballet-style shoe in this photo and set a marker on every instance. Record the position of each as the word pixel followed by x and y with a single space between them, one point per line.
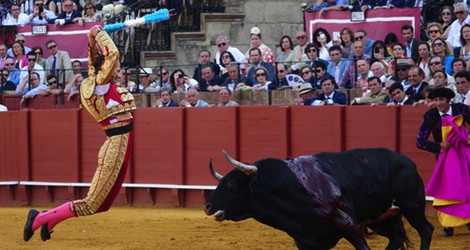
pixel 448 231
pixel 45 234
pixel 28 227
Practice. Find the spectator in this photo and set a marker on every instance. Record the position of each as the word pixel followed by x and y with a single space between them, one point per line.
pixel 19 55
pixel 40 14
pixel 380 54
pixel 31 67
pixel 362 5
pixel 256 61
pixel 282 71
pixel 77 67
pixel 378 70
pixel 311 50
pixel 435 63
pixel 286 46
pixel 72 88
pixel 323 41
pixel 298 54
pixel 440 81
pixel 68 15
pixel 330 5
pixel 435 31
pixel 329 95
pixel 162 81
pixel 389 40
pixel 465 42
pixel 181 82
pixel 54 88
pixel 145 79
pixel 31 86
pixel 210 81
pixel 462 80
pixel 225 59
pixel 58 63
pixel 411 44
pixel 338 65
pixel 235 78
pixel 358 53
pixel 307 75
pixel 124 80
pixel 225 96
pixel 364 73
pixel 398 53
pixel 347 39
pixel 3 55
pixel 256 42
pixel 376 94
pixel 307 94
pixel 391 4
pixel 14 72
pixel 361 35
pixel 15 17
pixel 39 60
pixel 439 49
pixel 261 75
pixel 223 44
pixel 6 85
pixel 450 159
pixel 3 108
pixel 205 58
pixel 424 51
pixel 398 95
pixel 165 99
pixel 401 73
pixel 192 99
pixel 90 14
pixel 113 8
pixel 458 64
pixel 446 17
pixel 461 11
pixel 415 78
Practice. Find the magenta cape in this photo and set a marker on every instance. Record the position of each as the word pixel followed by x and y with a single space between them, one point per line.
pixel 451 177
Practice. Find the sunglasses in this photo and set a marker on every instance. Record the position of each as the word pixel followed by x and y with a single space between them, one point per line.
pixel 459 12
pixel 221 44
pixel 318 70
pixel 433 31
pixel 38 53
pixel 311 50
pixel 9 64
pixel 379 47
pixel 52 47
pixel 21 41
pixel 164 73
pixel 4 74
pixel 281 71
pixel 31 59
pixel 402 69
pixel 446 13
pixel 359 38
pixel 306 72
pixel 67 5
pixel 260 74
pixel 226 57
pixel 52 83
pixel 438 45
pixel 435 63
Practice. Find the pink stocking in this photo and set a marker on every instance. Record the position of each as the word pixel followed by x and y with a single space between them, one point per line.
pixel 54 216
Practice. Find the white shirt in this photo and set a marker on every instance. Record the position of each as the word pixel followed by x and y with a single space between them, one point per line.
pixel 454 32
pixel 3 108
pixel 37 68
pixel 239 56
pixel 22 20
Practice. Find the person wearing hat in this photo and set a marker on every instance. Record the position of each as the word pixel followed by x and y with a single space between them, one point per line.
pixel 451 178
pixel 145 78
pixel 307 94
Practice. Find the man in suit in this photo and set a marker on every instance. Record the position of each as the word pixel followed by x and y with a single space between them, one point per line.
pixel 165 100
pixel 362 5
pixel 58 63
pixel 411 44
pixel 68 16
pixel 337 66
pixel 415 78
pixel 255 59
pixel 205 58
pixel 397 93
pixel 329 95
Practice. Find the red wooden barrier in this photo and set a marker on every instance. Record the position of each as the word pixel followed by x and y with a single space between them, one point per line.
pixel 173 146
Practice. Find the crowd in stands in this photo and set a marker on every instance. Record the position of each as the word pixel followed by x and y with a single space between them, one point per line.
pixel 388 72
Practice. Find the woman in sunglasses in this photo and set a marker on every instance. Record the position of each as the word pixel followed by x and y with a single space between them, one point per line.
pixel 39 60
pixel 440 49
pixel 446 17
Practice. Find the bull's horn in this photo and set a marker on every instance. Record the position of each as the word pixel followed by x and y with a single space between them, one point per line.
pixel 245 168
pixel 216 175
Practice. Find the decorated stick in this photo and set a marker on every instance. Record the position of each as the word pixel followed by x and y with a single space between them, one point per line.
pixel 157 16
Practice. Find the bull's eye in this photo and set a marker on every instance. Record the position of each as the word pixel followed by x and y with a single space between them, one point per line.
pixel 232 184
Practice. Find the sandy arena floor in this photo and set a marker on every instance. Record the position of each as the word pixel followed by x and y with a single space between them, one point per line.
pixel 165 228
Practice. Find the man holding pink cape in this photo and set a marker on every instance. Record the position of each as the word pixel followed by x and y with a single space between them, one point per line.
pixel 450 182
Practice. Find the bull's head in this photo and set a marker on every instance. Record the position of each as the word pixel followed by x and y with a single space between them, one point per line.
pixel 245 168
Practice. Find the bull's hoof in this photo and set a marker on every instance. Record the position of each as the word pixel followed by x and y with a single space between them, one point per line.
pixel 448 231
pixel 45 234
pixel 28 227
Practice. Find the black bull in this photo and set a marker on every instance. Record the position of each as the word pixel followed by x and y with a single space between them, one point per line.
pixel 319 199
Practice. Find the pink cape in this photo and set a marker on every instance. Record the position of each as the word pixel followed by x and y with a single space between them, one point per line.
pixel 451 177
